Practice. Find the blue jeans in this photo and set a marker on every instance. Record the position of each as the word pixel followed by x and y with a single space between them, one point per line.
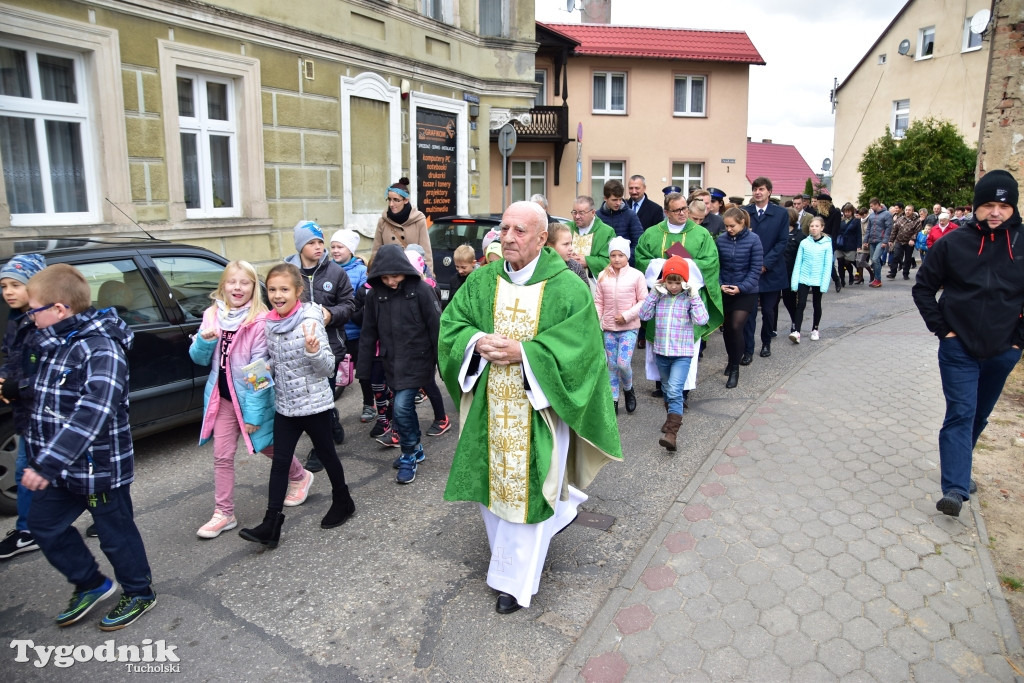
pixel 406 420
pixel 971 388
pixel 673 370
pixel 878 252
pixel 55 508
pixel 24 495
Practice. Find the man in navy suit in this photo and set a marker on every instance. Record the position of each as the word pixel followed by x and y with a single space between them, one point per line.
pixel 770 222
pixel 649 212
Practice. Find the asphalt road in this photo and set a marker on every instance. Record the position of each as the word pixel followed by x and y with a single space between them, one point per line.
pixel 399 591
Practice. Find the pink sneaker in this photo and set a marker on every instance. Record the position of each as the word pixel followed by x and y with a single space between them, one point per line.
pixel 298 490
pixel 218 523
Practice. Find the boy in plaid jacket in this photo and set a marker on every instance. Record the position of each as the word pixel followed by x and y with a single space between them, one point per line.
pixel 80 447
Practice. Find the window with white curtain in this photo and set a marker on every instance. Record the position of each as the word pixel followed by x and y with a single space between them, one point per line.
pixel 972 40
pixel 689 97
pixel 207 121
pixel 441 10
pixel 926 42
pixel 493 18
pixel 900 117
pixel 609 92
pixel 45 135
pixel 528 178
pixel 600 173
pixel 688 175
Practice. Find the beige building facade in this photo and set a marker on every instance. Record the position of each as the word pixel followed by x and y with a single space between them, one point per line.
pixel 674 121
pixel 942 75
pixel 224 123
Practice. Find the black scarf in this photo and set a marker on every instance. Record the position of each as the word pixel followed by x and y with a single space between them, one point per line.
pixel 402 216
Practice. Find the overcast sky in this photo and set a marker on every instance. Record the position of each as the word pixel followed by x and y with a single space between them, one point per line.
pixel 805 44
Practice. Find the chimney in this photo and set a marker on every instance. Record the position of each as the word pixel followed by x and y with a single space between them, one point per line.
pixel 766 141
pixel 597 11
pixel 748 138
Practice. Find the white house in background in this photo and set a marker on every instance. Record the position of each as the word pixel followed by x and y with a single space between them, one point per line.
pixel 926 63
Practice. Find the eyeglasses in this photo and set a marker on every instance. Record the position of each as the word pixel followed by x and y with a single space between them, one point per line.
pixel 679 210
pixel 31 313
pixel 580 213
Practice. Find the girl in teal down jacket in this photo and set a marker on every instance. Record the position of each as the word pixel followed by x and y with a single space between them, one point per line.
pixel 811 275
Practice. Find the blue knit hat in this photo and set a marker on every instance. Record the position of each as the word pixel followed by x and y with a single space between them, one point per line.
pixel 22 267
pixel 306 232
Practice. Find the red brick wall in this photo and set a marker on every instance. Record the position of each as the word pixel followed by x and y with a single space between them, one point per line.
pixel 1002 137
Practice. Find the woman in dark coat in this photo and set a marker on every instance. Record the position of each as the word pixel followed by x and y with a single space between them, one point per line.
pixel 796 235
pixel 833 220
pixel 739 258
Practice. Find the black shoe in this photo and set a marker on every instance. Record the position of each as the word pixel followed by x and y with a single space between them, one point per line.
pixel 747 359
pixel 616 404
pixel 890 276
pixel 906 277
pixel 630 400
pixel 774 334
pixel 766 351
pixel 734 377
pixel 342 507
pixel 90 531
pixel 728 369
pixel 337 431
pixel 507 604
pixel 973 488
pixel 268 532
pixel 950 504
pixel 378 429
pixel 313 463
pixel 657 393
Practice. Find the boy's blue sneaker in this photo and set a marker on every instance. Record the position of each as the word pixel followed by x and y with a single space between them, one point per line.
pixel 128 609
pixel 83 601
pixel 406 469
pixel 420 457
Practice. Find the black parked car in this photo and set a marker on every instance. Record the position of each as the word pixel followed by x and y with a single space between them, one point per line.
pixel 161 290
pixel 448 233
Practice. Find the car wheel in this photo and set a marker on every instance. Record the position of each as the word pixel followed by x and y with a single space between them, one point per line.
pixel 8 458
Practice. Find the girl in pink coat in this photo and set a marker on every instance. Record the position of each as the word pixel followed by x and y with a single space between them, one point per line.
pixel 236 401
pixel 620 292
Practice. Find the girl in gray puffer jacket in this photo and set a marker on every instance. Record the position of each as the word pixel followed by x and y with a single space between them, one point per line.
pixel 300 359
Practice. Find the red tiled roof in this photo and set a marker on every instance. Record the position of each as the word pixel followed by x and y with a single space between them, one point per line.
pixel 783 164
pixel 660 43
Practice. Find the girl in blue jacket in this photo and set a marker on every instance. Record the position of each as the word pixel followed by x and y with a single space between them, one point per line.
pixel 811 274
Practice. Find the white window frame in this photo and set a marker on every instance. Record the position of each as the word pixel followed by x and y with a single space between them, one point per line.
pixel 529 176
pixel 604 176
pixel 688 111
pixel 503 10
pixel 608 78
pixel 540 77
pixel 900 107
pixel 370 86
pixel 243 73
pixel 429 7
pixel 921 35
pixel 39 111
pixel 687 181
pixel 203 127
pixel 98 52
pixel 968 34
pixel 882 58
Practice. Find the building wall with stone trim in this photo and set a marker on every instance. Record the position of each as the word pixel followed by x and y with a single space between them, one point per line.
pixel 286 73
pixel 1002 139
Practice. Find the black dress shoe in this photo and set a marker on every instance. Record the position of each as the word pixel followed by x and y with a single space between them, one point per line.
pixel 507 604
pixel 973 488
pixel 766 351
pixel 747 359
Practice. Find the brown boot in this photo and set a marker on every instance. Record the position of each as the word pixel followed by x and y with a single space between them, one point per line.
pixel 671 428
pixel 664 427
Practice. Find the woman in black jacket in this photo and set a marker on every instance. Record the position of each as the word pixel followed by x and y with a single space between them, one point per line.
pixel 796 235
pixel 833 219
pixel 739 258
pixel 847 242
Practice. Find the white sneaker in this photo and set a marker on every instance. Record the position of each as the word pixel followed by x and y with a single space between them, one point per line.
pixel 794 337
pixel 218 523
pixel 815 336
pixel 298 490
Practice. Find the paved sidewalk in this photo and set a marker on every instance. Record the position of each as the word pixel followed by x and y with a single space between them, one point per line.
pixel 808 547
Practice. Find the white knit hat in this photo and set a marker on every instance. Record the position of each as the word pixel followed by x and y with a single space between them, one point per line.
pixel 619 244
pixel 350 238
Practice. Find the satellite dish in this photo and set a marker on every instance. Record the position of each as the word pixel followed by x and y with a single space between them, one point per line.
pixel 904 47
pixel 826 164
pixel 979 22
pixel 570 5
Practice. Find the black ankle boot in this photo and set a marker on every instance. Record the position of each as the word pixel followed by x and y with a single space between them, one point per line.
pixel 734 377
pixel 268 532
pixel 341 509
pixel 630 400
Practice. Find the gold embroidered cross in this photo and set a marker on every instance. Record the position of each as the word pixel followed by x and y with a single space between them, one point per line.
pixel 515 310
pixel 506 416
pixel 504 467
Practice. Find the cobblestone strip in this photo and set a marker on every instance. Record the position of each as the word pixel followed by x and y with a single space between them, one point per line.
pixel 808 546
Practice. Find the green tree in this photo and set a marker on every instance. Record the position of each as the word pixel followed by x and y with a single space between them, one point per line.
pixel 809 187
pixel 930 164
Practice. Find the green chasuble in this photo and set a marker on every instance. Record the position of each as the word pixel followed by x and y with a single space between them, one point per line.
pixel 703 250
pixel 593 246
pixel 506 450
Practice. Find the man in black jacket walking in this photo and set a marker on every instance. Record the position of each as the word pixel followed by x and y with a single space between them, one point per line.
pixel 980 271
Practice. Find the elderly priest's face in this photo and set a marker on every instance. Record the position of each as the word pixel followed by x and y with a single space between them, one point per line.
pixel 523 233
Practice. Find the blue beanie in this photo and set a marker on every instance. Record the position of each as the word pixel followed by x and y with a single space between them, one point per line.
pixel 22 267
pixel 306 232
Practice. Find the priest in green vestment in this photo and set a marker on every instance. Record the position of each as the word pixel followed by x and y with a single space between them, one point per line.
pixel 590 236
pixel 678 229
pixel 521 352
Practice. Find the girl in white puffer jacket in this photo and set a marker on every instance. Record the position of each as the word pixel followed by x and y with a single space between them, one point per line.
pixel 301 361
